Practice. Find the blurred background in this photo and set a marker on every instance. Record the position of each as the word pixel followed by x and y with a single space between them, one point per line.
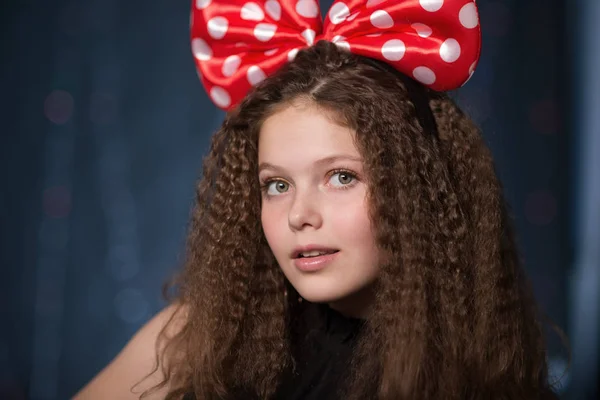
pixel 104 125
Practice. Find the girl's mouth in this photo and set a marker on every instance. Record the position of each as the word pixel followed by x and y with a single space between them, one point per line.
pixel 315 261
pixel 316 253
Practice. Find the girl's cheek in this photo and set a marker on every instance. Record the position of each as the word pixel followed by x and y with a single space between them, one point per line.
pixel 273 216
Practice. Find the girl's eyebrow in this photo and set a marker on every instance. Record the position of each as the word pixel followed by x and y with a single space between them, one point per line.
pixel 319 163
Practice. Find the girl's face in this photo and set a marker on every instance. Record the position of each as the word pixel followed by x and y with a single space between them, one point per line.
pixel 315 210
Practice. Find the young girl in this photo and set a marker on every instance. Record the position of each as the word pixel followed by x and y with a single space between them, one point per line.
pixel 350 239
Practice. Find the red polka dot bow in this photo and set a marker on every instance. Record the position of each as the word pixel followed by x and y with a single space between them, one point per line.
pixel 237 43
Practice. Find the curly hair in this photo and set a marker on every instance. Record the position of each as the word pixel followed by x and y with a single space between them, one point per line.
pixel 454 317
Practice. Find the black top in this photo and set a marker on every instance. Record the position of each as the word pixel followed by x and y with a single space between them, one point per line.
pixel 325 354
pixel 327 348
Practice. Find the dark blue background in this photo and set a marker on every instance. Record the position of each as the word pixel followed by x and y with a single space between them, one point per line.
pixel 104 126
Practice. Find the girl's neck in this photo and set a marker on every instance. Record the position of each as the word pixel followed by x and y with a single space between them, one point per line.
pixel 357 305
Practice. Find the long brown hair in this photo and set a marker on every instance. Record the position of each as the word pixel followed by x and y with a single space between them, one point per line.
pixel 453 318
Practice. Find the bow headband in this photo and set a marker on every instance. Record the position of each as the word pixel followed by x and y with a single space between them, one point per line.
pixel 237 43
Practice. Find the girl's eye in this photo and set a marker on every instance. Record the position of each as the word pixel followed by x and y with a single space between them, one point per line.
pixel 341 179
pixel 277 187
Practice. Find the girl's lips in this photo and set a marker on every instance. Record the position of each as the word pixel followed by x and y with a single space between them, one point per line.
pixel 311 247
pixel 311 264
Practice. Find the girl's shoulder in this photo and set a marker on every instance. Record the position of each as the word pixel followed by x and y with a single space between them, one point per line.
pixel 135 368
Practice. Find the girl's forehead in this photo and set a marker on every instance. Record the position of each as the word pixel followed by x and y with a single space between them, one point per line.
pixel 304 132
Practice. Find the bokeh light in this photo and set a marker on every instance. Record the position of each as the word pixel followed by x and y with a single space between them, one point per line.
pixel 58 106
pixel 131 305
pixel 57 202
pixel 122 262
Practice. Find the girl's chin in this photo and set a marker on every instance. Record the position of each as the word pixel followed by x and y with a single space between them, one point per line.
pixel 321 296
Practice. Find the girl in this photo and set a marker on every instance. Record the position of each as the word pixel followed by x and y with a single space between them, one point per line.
pixel 350 238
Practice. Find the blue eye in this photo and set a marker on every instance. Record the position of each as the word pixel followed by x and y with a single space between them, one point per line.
pixel 341 179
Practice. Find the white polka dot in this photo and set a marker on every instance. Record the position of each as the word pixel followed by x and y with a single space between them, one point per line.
pixel 338 13
pixel 340 41
pixel 292 54
pixel 450 50
pixel 309 35
pixel 424 75
pixel 231 65
pixel 343 45
pixel 431 5
pixel 264 32
pixel 202 4
pixel 269 53
pixel 422 30
pixel 220 97
pixel 382 20
pixel 201 49
pixel 307 8
pixel 468 16
pixel 255 75
pixel 273 8
pixel 217 27
pixel 393 49
pixel 373 3
pixel 252 12
pixel 352 17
